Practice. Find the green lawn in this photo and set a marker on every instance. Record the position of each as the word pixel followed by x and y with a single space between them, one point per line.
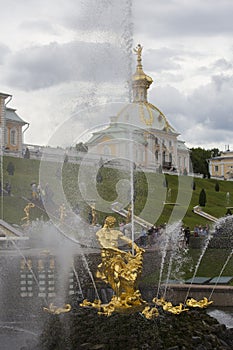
pixel 149 189
pixel 210 266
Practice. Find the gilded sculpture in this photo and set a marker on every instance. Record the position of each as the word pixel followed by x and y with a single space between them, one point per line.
pixel 120 269
pixel 27 213
pixel 52 309
pixel 203 303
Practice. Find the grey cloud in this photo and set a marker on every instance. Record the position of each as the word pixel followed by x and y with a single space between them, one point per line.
pixel 4 51
pixel 161 59
pixel 212 104
pixel 44 66
pixel 209 108
pixel 197 18
pixel 222 63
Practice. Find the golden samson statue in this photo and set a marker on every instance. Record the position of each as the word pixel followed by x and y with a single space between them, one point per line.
pixel 120 269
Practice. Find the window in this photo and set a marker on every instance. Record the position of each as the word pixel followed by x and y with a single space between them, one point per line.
pixel 216 168
pixel 13 137
pixel 170 157
pixel 107 151
pixel 156 155
pixel 164 156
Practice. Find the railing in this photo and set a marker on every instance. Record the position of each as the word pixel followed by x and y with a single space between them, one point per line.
pixel 197 210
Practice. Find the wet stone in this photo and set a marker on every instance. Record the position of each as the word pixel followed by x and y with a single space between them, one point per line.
pixel 196 340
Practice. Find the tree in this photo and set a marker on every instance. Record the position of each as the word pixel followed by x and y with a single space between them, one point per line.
pixel 194 185
pixel 101 162
pixel 27 153
pixel 81 147
pixel 199 158
pixel 217 187
pixel 165 183
pixel 202 198
pixel 10 168
pixel 66 158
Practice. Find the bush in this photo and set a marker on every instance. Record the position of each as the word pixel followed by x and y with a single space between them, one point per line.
pixel 217 187
pixel 10 168
pixel 27 154
pixel 202 198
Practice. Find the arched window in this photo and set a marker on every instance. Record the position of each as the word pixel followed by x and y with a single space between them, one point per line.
pixel 107 151
pixel 13 137
pixel 156 155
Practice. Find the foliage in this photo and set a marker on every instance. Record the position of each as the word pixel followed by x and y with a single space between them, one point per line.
pixel 81 147
pixel 199 157
pixel 10 168
pixel 165 183
pixel 66 158
pixel 27 153
pixel 202 198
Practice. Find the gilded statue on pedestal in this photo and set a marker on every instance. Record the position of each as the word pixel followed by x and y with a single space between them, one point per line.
pixel 120 269
pixel 27 213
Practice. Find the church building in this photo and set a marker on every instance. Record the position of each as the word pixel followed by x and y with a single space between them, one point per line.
pixel 155 141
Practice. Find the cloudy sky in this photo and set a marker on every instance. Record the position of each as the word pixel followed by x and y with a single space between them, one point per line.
pixel 60 57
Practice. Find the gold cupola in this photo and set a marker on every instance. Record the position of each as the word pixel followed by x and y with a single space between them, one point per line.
pixel 140 81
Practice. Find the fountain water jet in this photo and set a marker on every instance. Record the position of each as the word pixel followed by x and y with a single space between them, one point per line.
pixel 220 274
pixel 198 262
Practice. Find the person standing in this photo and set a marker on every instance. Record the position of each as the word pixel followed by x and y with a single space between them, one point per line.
pixel 143 238
pixel 8 188
pixel 187 235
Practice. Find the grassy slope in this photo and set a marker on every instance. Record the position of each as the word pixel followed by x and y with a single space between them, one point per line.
pixel 210 266
pixel 150 190
pixel 26 172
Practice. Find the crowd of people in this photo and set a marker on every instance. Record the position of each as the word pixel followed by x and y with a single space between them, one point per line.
pixel 149 236
pixel 200 230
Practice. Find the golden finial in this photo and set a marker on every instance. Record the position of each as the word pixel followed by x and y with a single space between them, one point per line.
pixel 138 52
